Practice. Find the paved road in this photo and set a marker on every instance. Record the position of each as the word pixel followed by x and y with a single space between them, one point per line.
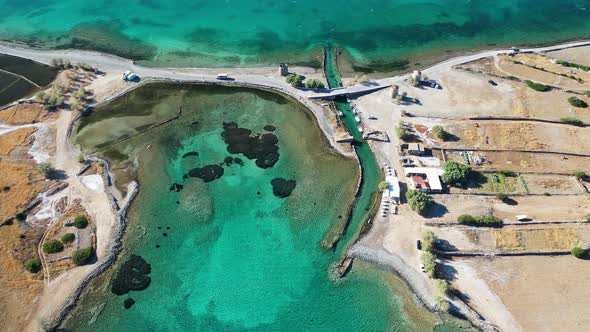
pixel 251 76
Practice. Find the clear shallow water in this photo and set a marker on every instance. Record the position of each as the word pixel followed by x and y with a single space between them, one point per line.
pixel 377 33
pixel 232 259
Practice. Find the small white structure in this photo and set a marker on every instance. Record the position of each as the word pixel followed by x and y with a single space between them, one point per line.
pixel 392 191
pixel 426 179
pixel 222 76
pixel 283 69
pixel 522 217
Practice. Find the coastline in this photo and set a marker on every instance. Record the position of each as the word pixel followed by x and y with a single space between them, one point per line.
pixel 315 110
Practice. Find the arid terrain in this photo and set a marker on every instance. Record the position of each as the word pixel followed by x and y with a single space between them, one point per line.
pixel 517 140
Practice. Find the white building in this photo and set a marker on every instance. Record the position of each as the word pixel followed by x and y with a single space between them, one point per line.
pixel 426 179
pixel 392 191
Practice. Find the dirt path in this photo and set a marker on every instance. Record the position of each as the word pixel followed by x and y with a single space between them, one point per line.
pixel 97 205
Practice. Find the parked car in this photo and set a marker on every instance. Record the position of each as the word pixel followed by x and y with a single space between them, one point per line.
pixel 492 82
pixel 418 244
pixel 422 267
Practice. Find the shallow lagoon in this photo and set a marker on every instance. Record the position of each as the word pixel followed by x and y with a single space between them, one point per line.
pixel 234 256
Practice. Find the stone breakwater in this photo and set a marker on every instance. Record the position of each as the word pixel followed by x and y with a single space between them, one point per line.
pixel 417 284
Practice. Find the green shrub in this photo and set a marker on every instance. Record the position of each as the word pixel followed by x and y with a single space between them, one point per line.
pixel 587 93
pixel 81 256
pixel 53 246
pixel 507 172
pixel 295 80
pixel 440 132
pixel 313 83
pixel 572 121
pixel 21 216
pixel 588 217
pixel 418 200
pixel 80 222
pixel 485 220
pixel 537 86
pixel 573 65
pixel 8 222
pixel 578 252
pixel 577 102
pixel 47 170
pixel 68 238
pixel 502 196
pixel 580 175
pixel 455 172
pixel 33 265
pixel 466 219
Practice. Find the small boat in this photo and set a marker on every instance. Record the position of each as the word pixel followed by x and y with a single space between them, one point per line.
pixel 371 117
pixel 357 119
pixel 360 128
pixel 325 104
pixel 340 113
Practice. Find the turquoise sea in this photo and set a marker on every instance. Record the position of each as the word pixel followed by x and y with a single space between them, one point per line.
pixel 229 254
pixel 378 34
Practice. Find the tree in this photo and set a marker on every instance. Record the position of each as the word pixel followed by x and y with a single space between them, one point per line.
pixel 53 246
pixel 578 252
pixel 47 170
pixel 21 216
pixel 68 238
pixel 455 172
pixel 314 84
pixel 442 304
pixel 82 256
pixel 588 217
pixel 580 175
pixel 418 200
pixel 41 95
pixel 295 80
pixel 440 132
pixel 429 260
pixel 382 185
pixel 428 239
pixel 80 221
pixel 402 132
pixel 577 102
pixel 33 265
pixel 442 286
